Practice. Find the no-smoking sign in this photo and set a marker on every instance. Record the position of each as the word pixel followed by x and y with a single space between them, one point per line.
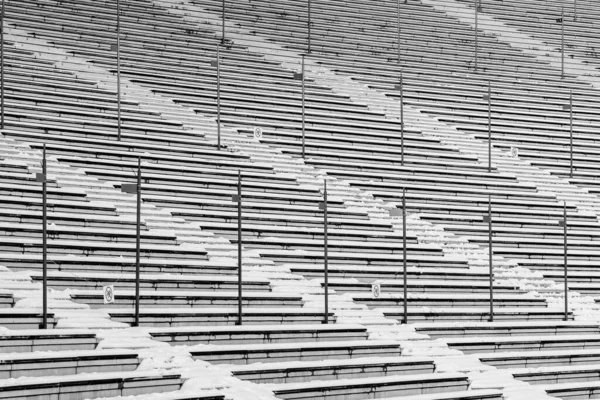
pixel 258 133
pixel 109 294
pixel 376 290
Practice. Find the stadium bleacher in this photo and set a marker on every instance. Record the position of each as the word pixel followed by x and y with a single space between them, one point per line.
pixel 60 93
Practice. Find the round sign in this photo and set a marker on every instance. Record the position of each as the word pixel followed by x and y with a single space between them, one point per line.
pixel 108 294
pixel 258 133
pixel 376 290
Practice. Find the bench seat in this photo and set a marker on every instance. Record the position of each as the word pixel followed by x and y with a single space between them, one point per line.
pixel 333 369
pixel 305 351
pixel 187 299
pixel 90 386
pixel 249 334
pixel 525 343
pixel 353 389
pixel 29 341
pixel 66 363
pixel 176 317
pixel 156 282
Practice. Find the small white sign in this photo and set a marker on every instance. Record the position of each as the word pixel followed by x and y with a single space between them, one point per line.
pixel 258 133
pixel 514 152
pixel 109 294
pixel 376 290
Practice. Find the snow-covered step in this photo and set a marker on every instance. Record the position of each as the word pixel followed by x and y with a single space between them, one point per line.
pixel 65 216
pixel 508 328
pixel 524 343
pixel 6 300
pixel 477 394
pixel 304 216
pixel 23 318
pixel 557 264
pixel 190 394
pixel 439 300
pixel 576 390
pixel 27 341
pixel 253 173
pixel 541 358
pixel 89 385
pixel 584 276
pixel 52 191
pixel 394 286
pixel 333 369
pixel 438 314
pixel 306 351
pixel 162 317
pixel 83 280
pixel 353 389
pixel 125 298
pixel 557 375
pixel 63 231
pixel 341 257
pixel 375 273
pixel 250 334
pixel 339 244
pixel 66 363
pixel 57 205
pixel 543 252
pixel 78 263
pixel 99 249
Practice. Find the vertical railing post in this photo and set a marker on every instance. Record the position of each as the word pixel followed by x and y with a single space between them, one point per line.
pixel 137 190
pixel 308 49
pixel 489 105
pixel 323 206
pixel 398 26
pixel 217 64
pixel 223 22
pixel 562 43
pixel 491 255
pixel 400 88
pixel 239 214
pixel 119 69
pixel 43 179
pixel 396 212
pixel 574 10
pixel 401 119
pixel 569 107
pixel 571 133
pixel 565 261
pixel 303 110
pixel 476 33
pixel 2 63
pixel 137 242
pixel 300 77
pixel 45 243
pixel 404 267
pixel 326 254
pixel 219 96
